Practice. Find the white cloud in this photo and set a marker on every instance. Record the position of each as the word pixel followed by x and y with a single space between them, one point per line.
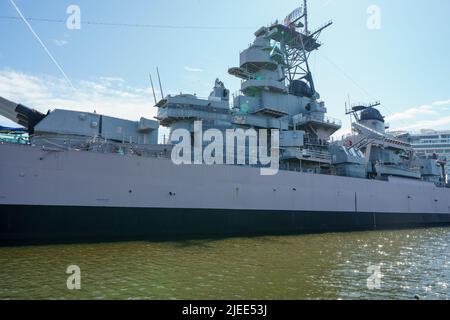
pixel 190 69
pixel 432 116
pixel 112 79
pixel 441 103
pixel 412 113
pixel 46 92
pixel 427 124
pixel 60 43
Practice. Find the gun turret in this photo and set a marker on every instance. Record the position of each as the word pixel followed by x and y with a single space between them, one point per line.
pixel 20 114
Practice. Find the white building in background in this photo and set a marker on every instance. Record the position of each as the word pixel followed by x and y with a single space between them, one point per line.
pixel 432 143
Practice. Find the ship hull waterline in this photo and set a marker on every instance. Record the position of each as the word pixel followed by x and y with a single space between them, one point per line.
pixel 72 224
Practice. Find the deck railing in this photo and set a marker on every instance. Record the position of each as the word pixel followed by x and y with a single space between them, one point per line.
pixel 306 118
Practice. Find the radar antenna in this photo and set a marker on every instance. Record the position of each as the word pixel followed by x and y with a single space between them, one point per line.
pixel 296 43
pixel 160 85
pixel 355 108
pixel 153 89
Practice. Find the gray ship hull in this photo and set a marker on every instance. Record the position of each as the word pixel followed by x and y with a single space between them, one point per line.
pixel 82 196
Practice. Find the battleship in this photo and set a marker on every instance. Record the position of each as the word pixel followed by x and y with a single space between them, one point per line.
pixel 84 176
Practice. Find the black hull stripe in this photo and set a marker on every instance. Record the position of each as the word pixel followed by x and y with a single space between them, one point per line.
pixel 34 224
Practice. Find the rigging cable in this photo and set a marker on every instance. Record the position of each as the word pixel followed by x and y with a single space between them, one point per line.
pixel 42 43
pixel 132 25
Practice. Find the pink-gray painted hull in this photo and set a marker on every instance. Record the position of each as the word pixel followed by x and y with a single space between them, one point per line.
pixel 70 194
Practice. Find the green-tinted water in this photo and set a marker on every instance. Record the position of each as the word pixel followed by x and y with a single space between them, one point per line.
pixel 330 266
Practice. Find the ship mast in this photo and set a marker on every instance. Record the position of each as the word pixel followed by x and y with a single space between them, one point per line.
pixel 305 12
pixel 297 43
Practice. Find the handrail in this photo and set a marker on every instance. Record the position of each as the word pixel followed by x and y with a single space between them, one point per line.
pixel 302 119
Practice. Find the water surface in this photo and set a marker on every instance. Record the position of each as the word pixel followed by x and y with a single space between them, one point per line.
pixel 327 266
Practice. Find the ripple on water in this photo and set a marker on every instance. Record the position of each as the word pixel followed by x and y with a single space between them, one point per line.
pixel 329 266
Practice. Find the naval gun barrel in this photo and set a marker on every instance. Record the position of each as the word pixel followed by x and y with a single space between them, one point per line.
pixel 20 114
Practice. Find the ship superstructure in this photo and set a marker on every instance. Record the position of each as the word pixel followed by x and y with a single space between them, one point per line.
pixel 384 155
pixel 277 92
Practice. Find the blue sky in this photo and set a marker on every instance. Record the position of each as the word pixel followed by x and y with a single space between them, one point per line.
pixel 405 64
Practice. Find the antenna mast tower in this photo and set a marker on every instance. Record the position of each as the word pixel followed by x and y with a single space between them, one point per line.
pixel 297 43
